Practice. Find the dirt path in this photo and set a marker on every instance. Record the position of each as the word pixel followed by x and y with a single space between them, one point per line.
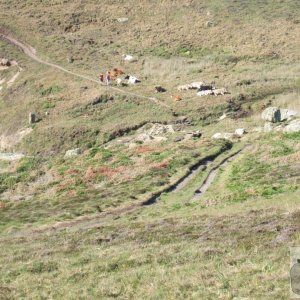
pixel 31 52
pixel 95 221
pixel 212 174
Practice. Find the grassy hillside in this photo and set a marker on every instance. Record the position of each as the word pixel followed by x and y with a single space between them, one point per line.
pixel 112 222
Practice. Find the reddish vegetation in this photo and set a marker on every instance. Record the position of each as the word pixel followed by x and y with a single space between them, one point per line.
pixel 72 172
pixel 2 205
pixel 161 165
pixel 91 172
pixel 147 149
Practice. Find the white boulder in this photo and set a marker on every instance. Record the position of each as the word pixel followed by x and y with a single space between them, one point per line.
pixel 73 152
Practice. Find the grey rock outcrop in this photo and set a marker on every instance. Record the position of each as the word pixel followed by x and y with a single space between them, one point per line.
pixel 271 114
pixel 73 152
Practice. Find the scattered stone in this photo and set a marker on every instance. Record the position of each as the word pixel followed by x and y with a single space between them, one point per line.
pixel 73 152
pixel 223 117
pixel 4 62
pixel 240 131
pixel 225 135
pixel 122 20
pixel 271 114
pixel 32 118
pixel 11 156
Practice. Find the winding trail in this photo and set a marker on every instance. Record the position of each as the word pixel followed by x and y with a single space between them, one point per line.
pixel 31 52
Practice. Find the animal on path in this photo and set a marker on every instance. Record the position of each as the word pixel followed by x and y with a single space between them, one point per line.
pixel 116 72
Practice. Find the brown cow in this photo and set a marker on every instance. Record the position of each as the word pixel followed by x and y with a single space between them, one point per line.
pixel 176 98
pixel 116 72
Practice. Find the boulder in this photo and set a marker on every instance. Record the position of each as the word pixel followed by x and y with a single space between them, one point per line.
pixel 73 152
pixel 294 126
pixel 287 114
pixel 240 131
pixel 225 136
pixel 271 114
pixel 32 118
pixel 5 62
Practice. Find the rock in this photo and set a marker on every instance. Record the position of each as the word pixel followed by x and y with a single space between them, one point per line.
pixel 294 126
pixel 274 114
pixel 240 131
pixel 217 135
pixel 286 114
pixel 223 117
pixel 271 114
pixel 5 62
pixel 73 152
pixel 195 134
pixel 32 118
pixel 268 127
pixel 226 136
pixel 122 20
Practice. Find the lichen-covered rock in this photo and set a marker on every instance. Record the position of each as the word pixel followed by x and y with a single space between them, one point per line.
pixel 73 152
pixel 240 131
pixel 271 114
pixel 287 114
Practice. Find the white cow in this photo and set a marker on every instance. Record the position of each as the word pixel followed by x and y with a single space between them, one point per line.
pixel 128 57
pixel 132 79
pixel 205 93
pixel 185 87
pixel 221 91
pixel 197 85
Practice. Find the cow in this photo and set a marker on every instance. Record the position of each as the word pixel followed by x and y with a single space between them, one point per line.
pixel 206 88
pixel 132 79
pixel 185 87
pixel 221 91
pixel 205 93
pixel 197 85
pixel 159 89
pixel 176 98
pixel 115 73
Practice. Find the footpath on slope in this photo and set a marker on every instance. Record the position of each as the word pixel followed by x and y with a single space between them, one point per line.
pixel 31 52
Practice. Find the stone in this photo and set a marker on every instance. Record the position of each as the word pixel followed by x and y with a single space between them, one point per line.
pixel 73 152
pixel 223 117
pixel 294 126
pixel 122 20
pixel 32 118
pixel 268 127
pixel 226 135
pixel 240 131
pixel 271 114
pixel 5 62
pixel 287 114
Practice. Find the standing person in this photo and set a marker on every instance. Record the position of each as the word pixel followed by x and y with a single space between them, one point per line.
pixel 101 78
pixel 108 78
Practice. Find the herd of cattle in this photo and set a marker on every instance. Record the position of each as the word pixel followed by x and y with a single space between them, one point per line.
pixel 203 89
